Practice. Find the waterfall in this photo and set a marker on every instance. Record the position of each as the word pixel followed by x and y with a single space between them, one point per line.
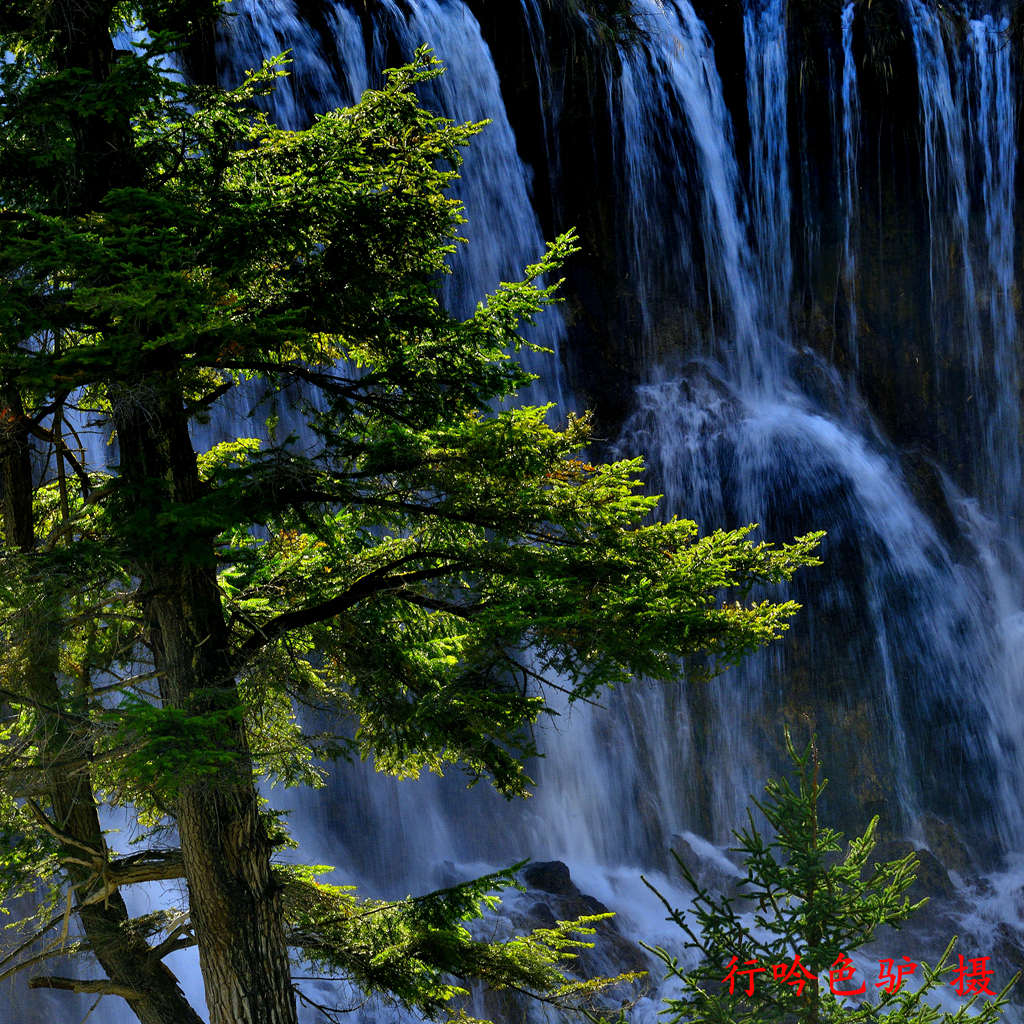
pixel 945 163
pixel 850 136
pixel 968 109
pixel 260 31
pixel 994 522
pixel 765 36
pixel 909 654
pixel 744 441
pixel 906 645
pixel 991 119
pixel 954 132
pixel 674 70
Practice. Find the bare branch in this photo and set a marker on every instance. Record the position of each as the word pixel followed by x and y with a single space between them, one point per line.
pixel 179 937
pixel 103 987
pixel 65 840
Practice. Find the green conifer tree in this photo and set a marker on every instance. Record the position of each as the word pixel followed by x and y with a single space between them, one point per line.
pixel 398 547
pixel 805 905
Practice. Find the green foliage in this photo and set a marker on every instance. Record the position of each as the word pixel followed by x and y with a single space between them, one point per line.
pixel 381 544
pixel 809 900
pixel 166 747
pixel 419 952
pixel 28 856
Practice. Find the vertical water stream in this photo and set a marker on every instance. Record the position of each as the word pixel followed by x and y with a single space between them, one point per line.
pixel 767 54
pixel 848 177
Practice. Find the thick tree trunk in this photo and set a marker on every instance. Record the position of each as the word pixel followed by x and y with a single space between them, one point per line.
pixel 127 959
pixel 105 158
pixel 236 905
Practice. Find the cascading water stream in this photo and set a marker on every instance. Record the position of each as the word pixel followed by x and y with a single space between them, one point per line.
pixel 750 415
pixel 967 121
pixel 673 70
pixel 968 103
pixel 850 135
pixel 765 37
pixel 547 86
pixel 991 117
pixel 926 620
pixel 998 533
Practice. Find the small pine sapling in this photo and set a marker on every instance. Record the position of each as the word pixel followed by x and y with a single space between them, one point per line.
pixel 784 955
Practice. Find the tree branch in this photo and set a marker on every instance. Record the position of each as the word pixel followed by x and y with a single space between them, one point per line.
pixel 65 452
pixel 207 400
pixel 373 583
pixel 103 987
pixel 61 837
pixel 177 938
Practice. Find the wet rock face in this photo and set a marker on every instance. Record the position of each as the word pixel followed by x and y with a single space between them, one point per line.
pixel 558 83
pixel 709 872
pixel 948 846
pixel 553 896
pixel 550 876
pixel 1008 949
pixel 932 877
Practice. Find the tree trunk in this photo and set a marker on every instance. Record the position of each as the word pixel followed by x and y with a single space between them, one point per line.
pixel 236 905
